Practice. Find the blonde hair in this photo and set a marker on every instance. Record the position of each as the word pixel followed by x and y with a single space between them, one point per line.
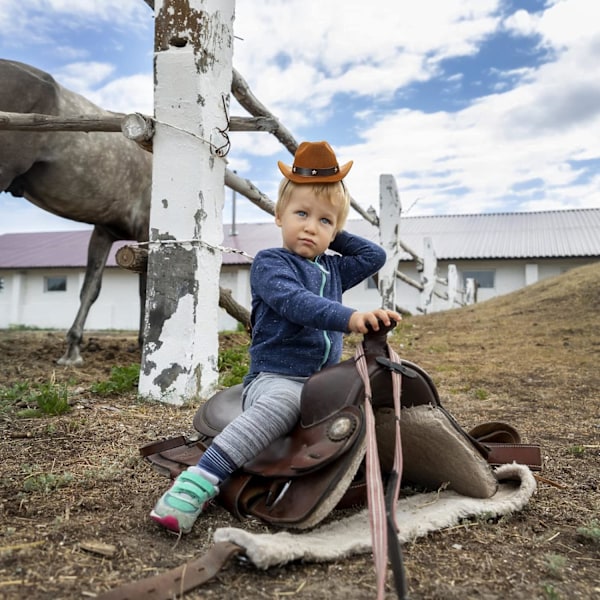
pixel 336 193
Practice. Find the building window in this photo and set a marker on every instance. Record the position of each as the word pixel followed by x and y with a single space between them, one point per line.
pixel 55 284
pixel 1 284
pixel 484 279
pixel 371 284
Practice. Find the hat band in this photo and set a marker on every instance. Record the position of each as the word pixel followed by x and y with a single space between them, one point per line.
pixel 315 172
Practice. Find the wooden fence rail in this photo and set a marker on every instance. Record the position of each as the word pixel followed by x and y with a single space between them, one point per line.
pixel 10 121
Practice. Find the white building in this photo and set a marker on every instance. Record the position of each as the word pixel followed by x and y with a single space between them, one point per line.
pixel 41 273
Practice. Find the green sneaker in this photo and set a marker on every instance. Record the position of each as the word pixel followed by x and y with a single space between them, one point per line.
pixel 180 506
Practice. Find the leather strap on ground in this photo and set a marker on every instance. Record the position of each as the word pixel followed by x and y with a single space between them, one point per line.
pixel 162 445
pixel 176 582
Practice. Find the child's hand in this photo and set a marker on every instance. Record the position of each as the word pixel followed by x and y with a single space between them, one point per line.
pixel 359 320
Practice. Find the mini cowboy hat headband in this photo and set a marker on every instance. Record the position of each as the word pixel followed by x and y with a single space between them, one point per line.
pixel 314 162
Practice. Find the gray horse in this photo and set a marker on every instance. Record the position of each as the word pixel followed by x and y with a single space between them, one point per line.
pixel 102 179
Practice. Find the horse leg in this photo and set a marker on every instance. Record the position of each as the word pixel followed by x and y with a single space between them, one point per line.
pixel 98 249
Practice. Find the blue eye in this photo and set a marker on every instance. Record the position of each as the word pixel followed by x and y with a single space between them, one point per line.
pixel 325 221
pixel 301 213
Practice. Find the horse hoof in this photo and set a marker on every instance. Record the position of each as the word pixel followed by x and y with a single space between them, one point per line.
pixel 67 361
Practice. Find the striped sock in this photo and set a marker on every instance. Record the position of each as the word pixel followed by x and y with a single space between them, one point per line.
pixel 215 465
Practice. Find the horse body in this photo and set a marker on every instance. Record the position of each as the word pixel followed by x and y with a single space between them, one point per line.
pixel 98 178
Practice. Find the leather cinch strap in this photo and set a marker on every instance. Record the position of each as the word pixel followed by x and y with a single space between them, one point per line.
pixel 176 582
pixel 523 454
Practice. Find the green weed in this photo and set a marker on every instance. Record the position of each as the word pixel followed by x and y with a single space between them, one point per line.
pixel 45 482
pixel 40 482
pixel 52 399
pixel 41 399
pixel 555 565
pixel 233 365
pixel 577 451
pixel 550 592
pixel 590 533
pixel 122 380
pixel 16 392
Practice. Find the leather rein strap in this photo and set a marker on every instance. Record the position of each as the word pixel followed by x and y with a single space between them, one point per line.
pixel 176 582
pixel 382 521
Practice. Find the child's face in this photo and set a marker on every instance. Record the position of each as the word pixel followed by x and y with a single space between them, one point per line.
pixel 308 224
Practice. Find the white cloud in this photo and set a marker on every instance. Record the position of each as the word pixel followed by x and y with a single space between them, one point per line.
pixel 122 94
pixel 81 76
pixel 570 22
pixel 126 94
pixel 522 23
pixel 25 21
pixel 529 132
pixel 364 50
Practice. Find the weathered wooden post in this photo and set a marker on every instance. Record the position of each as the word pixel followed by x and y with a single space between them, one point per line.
pixel 429 275
pixel 470 291
pixel 453 287
pixel 193 72
pixel 389 232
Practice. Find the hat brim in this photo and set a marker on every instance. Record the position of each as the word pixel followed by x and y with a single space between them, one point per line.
pixel 296 178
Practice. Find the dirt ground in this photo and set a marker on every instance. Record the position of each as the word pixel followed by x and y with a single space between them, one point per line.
pixel 75 495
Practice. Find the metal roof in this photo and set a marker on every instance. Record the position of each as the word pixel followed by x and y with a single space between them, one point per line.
pixel 549 234
pixel 48 250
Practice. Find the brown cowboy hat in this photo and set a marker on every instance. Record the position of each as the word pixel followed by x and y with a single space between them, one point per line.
pixel 314 162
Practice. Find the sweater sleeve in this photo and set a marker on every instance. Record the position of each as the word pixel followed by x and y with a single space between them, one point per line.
pixel 360 258
pixel 278 285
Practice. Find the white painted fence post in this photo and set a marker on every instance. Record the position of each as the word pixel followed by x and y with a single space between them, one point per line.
pixel 390 209
pixel 453 290
pixel 470 291
pixel 193 72
pixel 428 275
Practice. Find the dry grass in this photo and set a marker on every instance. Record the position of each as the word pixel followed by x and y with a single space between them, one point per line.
pixel 531 359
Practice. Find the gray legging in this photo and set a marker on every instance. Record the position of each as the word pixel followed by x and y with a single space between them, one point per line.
pixel 271 409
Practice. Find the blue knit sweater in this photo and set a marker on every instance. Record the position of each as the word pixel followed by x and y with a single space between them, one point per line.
pixel 297 313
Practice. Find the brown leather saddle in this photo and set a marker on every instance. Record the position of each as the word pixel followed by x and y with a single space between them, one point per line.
pixel 319 466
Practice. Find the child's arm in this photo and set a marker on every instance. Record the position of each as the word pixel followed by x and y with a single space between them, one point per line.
pixel 360 258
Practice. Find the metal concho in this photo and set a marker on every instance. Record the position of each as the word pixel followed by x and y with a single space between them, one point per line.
pixel 341 428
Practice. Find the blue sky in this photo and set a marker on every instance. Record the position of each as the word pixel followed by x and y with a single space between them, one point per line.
pixel 473 105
